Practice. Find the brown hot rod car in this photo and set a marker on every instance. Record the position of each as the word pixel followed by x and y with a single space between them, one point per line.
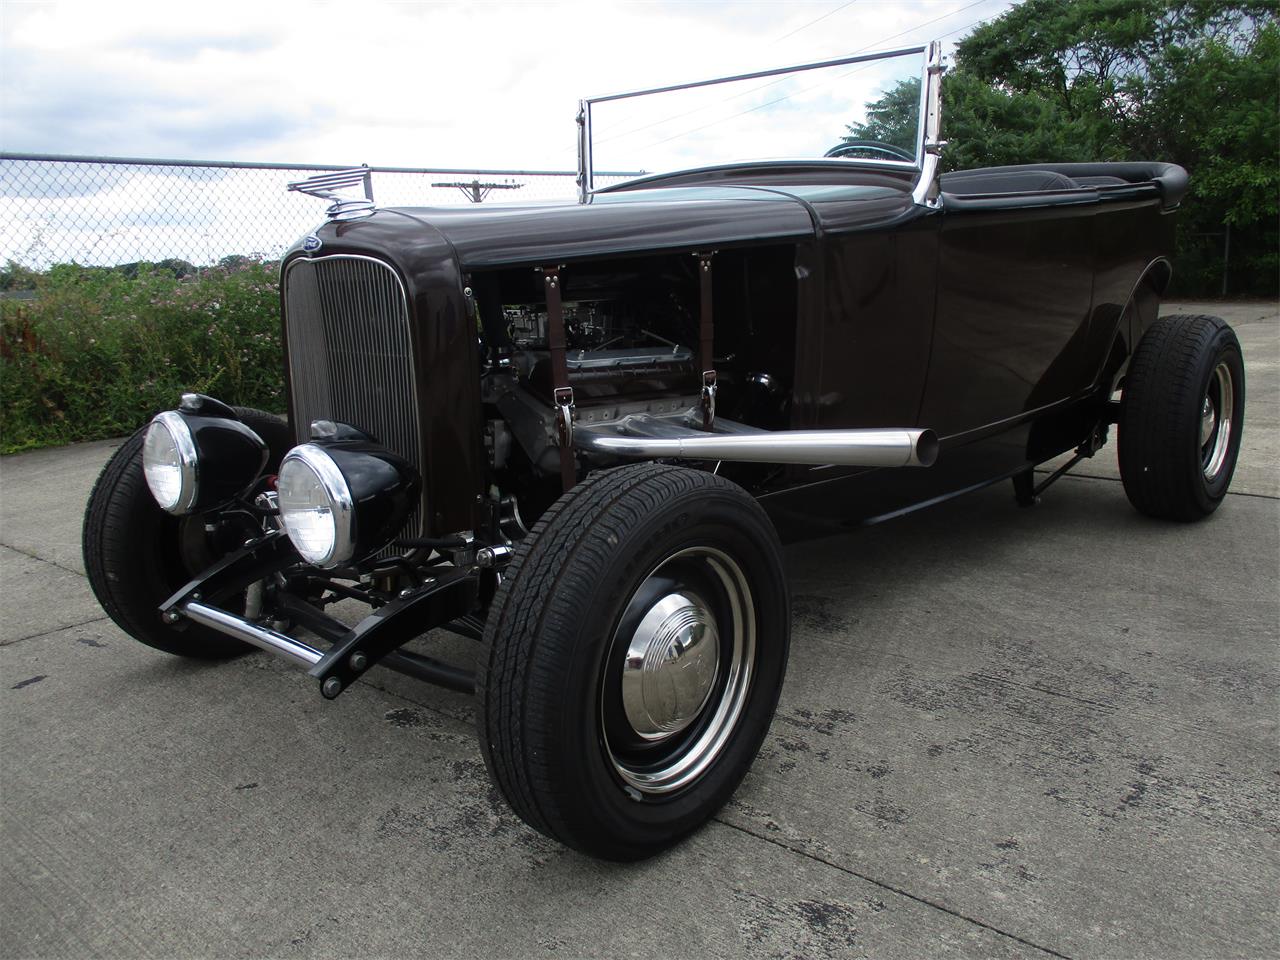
pixel 579 432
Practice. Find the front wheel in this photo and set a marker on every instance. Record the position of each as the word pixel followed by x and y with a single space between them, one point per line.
pixel 637 648
pixel 136 555
pixel 1181 417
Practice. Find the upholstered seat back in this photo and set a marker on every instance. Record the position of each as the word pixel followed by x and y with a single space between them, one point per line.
pixel 977 182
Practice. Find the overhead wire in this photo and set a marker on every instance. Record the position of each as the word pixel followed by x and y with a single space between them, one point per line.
pixel 795 93
pixel 816 20
pixel 737 96
pixel 770 83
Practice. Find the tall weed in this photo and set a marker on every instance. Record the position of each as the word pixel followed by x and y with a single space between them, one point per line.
pixel 96 351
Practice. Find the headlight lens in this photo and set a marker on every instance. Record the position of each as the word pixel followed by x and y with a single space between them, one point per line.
pixel 316 507
pixel 169 462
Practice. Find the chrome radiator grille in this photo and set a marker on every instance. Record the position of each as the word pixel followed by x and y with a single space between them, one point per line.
pixel 350 356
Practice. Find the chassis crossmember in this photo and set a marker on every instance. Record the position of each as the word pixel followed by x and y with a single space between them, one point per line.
pixel 445 597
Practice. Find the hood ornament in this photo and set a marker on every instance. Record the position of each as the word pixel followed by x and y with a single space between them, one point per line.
pixel 326 186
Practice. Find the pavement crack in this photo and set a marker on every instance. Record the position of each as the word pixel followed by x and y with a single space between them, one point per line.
pixel 32 556
pixel 45 633
pixel 923 901
pixel 1256 496
pixel 1110 708
pixel 1098 476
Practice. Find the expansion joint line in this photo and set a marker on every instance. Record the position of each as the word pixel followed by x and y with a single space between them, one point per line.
pixel 924 901
pixel 32 556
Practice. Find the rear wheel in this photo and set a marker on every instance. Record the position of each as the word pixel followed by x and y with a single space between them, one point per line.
pixel 1181 417
pixel 136 555
pixel 637 648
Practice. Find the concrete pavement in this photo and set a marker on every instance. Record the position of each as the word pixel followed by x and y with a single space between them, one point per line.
pixel 1004 733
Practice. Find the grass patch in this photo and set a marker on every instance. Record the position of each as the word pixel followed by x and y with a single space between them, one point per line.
pixel 97 351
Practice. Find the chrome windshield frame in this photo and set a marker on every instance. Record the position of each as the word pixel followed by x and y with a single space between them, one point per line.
pixel 927 142
pixel 925 193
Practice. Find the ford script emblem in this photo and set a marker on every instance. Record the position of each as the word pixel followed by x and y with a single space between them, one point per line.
pixel 311 243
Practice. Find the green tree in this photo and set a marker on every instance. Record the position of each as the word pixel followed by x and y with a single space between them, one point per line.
pixel 984 124
pixel 893 118
pixel 1194 82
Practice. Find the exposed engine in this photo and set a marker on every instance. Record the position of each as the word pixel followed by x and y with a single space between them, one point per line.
pixel 600 340
pixel 631 336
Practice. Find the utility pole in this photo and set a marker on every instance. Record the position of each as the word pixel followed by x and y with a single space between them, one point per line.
pixel 477 191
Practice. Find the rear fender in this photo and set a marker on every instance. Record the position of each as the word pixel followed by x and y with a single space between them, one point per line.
pixel 1140 311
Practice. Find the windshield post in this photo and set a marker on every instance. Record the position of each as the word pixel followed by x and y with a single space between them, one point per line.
pixel 585 173
pixel 925 193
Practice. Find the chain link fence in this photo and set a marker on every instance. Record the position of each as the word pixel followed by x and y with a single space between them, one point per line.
pixel 104 211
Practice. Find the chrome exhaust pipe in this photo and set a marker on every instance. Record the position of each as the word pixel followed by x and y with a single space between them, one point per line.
pixel 649 437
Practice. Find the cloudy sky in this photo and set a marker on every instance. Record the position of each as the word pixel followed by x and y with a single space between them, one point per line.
pixel 483 84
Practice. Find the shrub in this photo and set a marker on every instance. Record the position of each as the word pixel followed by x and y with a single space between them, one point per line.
pixel 98 350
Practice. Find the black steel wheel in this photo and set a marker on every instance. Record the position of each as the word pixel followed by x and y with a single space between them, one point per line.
pixel 636 650
pixel 1181 417
pixel 136 555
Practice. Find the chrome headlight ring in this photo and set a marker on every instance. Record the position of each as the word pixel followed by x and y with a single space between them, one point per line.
pixel 200 456
pixel 316 506
pixel 170 463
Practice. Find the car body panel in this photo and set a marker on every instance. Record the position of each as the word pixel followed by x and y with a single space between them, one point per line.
pixel 972 320
pixel 1004 347
pixel 677 219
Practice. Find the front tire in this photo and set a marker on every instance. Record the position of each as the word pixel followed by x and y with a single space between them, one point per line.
pixel 1181 417
pixel 636 651
pixel 136 555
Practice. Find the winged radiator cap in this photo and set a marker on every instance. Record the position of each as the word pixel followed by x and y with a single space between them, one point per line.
pixel 328 184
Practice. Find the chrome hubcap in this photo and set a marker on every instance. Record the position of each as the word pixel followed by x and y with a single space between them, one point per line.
pixel 671 666
pixel 1208 420
pixel 1216 414
pixel 679 671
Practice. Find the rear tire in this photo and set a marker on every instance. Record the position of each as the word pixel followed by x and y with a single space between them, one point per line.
pixel 636 651
pixel 1181 417
pixel 136 555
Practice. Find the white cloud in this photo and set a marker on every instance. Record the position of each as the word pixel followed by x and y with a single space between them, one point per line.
pixel 489 85
pixel 416 84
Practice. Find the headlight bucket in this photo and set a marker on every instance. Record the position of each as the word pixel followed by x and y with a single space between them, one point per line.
pixel 344 500
pixel 200 456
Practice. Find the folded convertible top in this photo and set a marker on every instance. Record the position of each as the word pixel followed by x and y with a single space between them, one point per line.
pixel 1169 178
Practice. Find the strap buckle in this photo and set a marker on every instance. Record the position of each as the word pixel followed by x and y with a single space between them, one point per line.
pixel 565 413
pixel 708 399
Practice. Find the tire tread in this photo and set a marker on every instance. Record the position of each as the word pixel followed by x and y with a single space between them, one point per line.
pixel 121 521
pixel 531 625
pixel 1160 408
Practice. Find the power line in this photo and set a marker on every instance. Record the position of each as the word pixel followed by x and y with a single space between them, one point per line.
pixel 926 23
pixel 737 96
pixel 971 23
pixel 818 20
pixel 815 86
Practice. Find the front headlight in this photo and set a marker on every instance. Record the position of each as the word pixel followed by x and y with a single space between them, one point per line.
pixel 169 462
pixel 316 507
pixel 200 456
pixel 342 497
